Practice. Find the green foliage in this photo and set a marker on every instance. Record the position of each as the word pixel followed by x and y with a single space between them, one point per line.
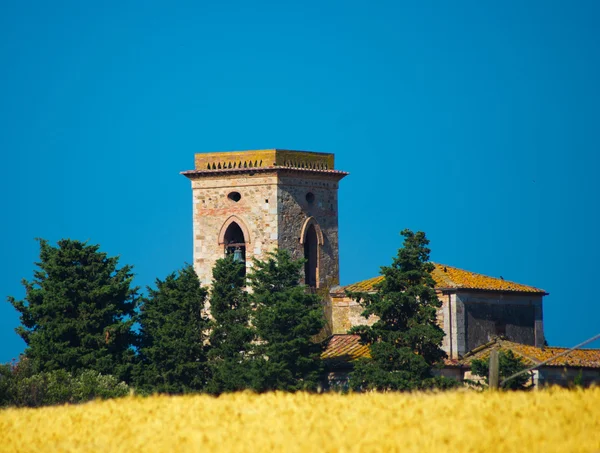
pixel 20 387
pixel 508 364
pixel 77 312
pixel 173 335
pixel 91 385
pixel 405 341
pixel 231 336
pixel 578 380
pixel 6 382
pixel 286 317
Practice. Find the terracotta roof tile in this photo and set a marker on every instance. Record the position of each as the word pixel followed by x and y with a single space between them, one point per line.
pixel 452 277
pixel 365 285
pixel 345 348
pixel 589 358
pixel 531 355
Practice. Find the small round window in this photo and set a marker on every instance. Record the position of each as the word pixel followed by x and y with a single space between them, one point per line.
pixel 234 196
pixel 310 197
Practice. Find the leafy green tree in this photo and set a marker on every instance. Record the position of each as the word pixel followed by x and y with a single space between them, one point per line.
pixel 508 364
pixel 286 318
pixel 231 335
pixel 20 387
pixel 77 312
pixel 405 341
pixel 173 333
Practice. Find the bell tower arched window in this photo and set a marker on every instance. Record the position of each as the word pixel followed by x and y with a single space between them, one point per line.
pixel 235 243
pixel 311 237
pixel 311 255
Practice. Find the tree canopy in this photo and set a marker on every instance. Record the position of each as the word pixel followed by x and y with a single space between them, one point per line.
pixel 231 335
pixel 78 311
pixel 173 331
pixel 405 340
pixel 286 317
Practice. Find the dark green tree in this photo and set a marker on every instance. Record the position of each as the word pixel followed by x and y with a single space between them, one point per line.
pixel 77 312
pixel 405 341
pixel 286 318
pixel 173 334
pixel 231 335
pixel 508 364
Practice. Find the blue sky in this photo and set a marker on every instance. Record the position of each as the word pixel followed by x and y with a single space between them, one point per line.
pixel 476 122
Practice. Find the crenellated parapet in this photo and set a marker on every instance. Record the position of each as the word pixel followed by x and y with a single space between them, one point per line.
pixel 265 158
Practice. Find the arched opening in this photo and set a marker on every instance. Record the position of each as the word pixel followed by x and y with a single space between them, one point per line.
pixel 235 243
pixel 311 255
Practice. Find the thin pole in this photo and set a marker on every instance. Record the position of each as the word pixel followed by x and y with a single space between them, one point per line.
pixel 494 370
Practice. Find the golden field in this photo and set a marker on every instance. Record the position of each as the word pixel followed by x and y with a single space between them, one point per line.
pixel 546 421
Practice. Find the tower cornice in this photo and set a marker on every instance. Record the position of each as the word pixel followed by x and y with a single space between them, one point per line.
pixel 263 160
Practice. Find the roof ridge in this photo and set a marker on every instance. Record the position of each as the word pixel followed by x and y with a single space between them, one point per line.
pixel 479 273
pixel 448 277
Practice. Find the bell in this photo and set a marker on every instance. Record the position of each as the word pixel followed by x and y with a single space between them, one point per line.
pixel 237 255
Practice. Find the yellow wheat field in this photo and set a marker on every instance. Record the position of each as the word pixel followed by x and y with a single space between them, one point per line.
pixel 545 421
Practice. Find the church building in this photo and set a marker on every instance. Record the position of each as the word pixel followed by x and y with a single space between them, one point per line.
pixel 249 203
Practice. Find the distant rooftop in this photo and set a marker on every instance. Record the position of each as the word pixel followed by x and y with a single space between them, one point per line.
pixel 531 355
pixel 340 349
pixel 448 277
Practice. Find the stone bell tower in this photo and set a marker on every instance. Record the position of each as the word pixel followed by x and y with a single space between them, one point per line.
pixel 251 202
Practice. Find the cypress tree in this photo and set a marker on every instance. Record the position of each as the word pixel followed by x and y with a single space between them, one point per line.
pixel 77 312
pixel 286 318
pixel 405 341
pixel 173 335
pixel 231 335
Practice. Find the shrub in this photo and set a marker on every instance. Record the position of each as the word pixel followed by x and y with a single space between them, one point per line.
pixel 19 387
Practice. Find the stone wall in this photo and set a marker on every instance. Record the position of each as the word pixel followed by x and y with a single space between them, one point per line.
pixel 481 316
pixel 468 319
pixel 257 211
pixel 273 210
pixel 447 323
pixel 566 377
pixel 294 210
pixel 347 313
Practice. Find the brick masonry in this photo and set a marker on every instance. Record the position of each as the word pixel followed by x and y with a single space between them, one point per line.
pixel 273 209
pixel 255 212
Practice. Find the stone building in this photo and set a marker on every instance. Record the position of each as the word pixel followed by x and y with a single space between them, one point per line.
pixel 475 309
pixel 582 365
pixel 252 202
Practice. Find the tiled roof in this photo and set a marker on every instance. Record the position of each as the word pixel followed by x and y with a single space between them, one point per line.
pixel 453 277
pixel 447 277
pixel 585 358
pixel 365 285
pixel 345 348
